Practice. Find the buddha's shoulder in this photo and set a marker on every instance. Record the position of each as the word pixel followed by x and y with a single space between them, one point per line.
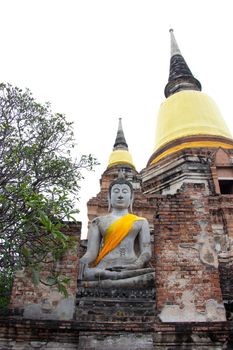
pixel 99 220
pixel 140 221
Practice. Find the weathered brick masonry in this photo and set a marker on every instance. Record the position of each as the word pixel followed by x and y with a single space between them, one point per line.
pixel 29 334
pixel 42 301
pixel 186 276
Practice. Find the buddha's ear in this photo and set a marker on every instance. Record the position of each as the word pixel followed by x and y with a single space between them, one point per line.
pixel 131 203
pixel 109 203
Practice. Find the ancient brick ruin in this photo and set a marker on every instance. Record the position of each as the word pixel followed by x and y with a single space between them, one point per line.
pixel 186 194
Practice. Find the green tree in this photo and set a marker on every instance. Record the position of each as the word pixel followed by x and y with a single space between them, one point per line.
pixel 39 182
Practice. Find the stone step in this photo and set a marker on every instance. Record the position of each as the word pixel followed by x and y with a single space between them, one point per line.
pixel 116 293
pixel 115 301
pixel 111 320
pixel 115 313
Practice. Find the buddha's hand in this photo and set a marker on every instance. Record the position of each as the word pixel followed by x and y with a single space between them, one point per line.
pixel 135 266
pixel 139 263
pixel 115 268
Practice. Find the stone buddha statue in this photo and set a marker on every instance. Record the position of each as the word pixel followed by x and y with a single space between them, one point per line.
pixel 119 248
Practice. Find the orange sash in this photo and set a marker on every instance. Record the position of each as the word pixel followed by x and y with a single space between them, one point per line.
pixel 116 232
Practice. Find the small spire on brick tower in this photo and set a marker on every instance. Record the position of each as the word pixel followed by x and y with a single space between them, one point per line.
pixel 180 76
pixel 120 154
pixel 120 138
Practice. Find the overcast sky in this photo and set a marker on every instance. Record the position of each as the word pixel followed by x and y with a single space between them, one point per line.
pixel 98 60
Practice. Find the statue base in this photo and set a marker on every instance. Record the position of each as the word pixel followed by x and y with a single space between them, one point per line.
pixel 114 303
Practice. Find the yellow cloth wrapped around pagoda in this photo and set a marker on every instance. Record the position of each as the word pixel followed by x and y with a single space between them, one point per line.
pixel 116 232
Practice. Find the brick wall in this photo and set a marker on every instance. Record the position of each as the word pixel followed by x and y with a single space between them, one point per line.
pixel 187 277
pixel 221 209
pixel 42 301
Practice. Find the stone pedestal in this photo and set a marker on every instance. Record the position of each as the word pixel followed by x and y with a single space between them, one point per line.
pixel 115 304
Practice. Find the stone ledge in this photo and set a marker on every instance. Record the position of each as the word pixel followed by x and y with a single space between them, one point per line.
pixel 151 323
pixel 70 334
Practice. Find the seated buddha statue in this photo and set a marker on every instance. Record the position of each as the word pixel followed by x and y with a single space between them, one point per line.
pixel 119 248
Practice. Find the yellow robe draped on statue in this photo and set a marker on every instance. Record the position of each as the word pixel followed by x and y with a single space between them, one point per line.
pixel 116 232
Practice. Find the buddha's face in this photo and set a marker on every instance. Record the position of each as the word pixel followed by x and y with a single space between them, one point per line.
pixel 121 196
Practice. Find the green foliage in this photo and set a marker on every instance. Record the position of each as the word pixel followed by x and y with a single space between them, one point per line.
pixel 6 281
pixel 39 182
pixel 60 281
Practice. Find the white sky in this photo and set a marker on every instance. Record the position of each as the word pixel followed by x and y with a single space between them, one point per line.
pixel 98 60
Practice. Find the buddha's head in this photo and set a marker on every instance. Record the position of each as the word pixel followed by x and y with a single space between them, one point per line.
pixel 120 194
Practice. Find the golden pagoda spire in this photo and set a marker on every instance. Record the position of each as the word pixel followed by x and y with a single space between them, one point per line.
pixel 180 76
pixel 174 46
pixel 188 118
